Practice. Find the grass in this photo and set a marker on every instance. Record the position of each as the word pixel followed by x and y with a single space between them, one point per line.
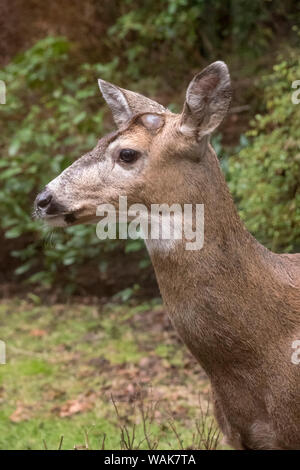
pixel 113 376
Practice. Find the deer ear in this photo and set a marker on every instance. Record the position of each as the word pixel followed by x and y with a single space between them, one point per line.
pixel 117 102
pixel 207 100
pixel 124 104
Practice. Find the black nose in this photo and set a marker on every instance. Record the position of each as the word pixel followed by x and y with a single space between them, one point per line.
pixel 43 199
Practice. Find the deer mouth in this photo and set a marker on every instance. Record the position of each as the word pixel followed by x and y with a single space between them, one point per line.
pixel 68 219
pixel 74 219
pixel 55 214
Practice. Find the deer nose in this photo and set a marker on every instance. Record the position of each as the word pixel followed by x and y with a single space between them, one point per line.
pixel 43 200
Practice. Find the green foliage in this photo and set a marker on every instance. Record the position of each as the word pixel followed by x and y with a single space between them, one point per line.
pixel 177 33
pixel 265 176
pixel 52 116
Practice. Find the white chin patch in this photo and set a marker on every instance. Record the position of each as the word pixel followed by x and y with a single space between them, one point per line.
pixel 57 221
pixel 163 247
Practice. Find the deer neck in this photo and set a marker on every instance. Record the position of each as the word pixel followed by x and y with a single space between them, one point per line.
pixel 202 289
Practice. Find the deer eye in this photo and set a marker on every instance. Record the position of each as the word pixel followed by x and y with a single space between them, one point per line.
pixel 128 155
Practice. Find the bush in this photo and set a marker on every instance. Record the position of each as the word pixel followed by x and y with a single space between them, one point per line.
pixel 172 34
pixel 52 116
pixel 265 176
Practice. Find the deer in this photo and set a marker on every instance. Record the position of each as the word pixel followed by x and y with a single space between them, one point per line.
pixel 234 303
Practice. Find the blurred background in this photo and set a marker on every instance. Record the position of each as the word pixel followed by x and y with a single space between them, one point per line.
pixel 51 54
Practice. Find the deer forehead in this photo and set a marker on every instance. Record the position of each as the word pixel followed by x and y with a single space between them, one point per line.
pixel 137 139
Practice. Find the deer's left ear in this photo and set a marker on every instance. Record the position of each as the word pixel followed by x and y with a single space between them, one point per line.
pixel 207 100
pixel 124 104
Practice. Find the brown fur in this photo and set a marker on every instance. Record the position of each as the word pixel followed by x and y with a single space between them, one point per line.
pixel 235 304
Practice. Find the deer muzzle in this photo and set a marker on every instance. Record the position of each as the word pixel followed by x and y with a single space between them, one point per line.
pixel 47 208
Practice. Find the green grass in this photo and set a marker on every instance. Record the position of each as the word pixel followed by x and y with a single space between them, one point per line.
pixel 64 363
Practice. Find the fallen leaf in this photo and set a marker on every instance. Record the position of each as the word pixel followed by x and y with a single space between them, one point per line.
pixel 21 413
pixel 38 333
pixel 71 407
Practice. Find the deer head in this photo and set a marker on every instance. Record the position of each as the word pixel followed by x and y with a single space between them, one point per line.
pixel 149 159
